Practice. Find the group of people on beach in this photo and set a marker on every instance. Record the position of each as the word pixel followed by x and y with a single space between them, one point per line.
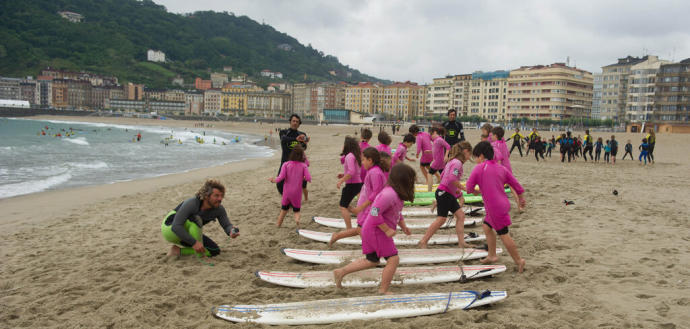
pixel 572 147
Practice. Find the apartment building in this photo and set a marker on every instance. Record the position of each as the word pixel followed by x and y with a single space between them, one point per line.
pixel 218 80
pixel 194 103
pixel 212 101
pixel 614 91
pixel 450 92
pixel 672 93
pixel 488 95
pixel 268 104
pixel 362 98
pixel 596 96
pixel 309 99
pixel 553 91
pixel 401 100
pixel 639 105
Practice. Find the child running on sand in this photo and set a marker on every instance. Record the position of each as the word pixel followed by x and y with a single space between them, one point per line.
pixel 644 148
pixel 607 151
pixel 401 151
pixel 502 155
pixel 351 176
pixel 448 193
pixel 293 172
pixel 373 184
pixel 491 177
pixel 423 141
pixel 363 145
pixel 385 141
pixel 439 150
pixel 380 227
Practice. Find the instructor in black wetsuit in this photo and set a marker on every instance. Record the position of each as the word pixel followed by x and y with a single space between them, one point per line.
pixel 454 131
pixel 289 138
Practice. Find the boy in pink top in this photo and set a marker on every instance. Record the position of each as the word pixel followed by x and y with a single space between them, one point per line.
pixel 439 150
pixel 363 145
pixel 380 227
pixel 351 176
pixel 448 193
pixel 502 155
pixel 491 177
pixel 385 141
pixel 401 152
pixel 293 172
pixel 423 141
pixel 373 184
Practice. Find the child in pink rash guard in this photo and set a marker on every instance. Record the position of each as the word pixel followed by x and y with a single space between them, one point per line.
pixel 502 156
pixel 448 193
pixel 439 149
pixel 363 145
pixel 401 151
pixel 351 176
pixel 486 133
pixel 423 141
pixel 491 177
pixel 385 141
pixel 380 227
pixel 373 184
pixel 293 172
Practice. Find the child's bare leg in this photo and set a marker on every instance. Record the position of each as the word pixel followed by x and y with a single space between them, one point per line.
pixel 346 216
pixel 517 202
pixel 174 251
pixel 281 216
pixel 343 234
pixel 491 242
pixel 305 192
pixel 460 228
pixel 512 250
pixel 297 217
pixel 388 272
pixel 358 265
pixel 430 231
pixel 426 176
pixel 433 206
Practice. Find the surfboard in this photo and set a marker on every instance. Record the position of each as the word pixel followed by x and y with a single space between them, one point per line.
pixel 410 222
pixel 360 308
pixel 426 211
pixel 372 277
pixel 427 201
pixel 399 239
pixel 407 256
pixel 432 194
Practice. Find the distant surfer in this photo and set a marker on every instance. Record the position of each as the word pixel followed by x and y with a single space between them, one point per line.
pixel 138 137
pixel 289 138
pixel 182 226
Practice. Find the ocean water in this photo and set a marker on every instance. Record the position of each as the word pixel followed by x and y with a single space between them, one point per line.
pixel 96 153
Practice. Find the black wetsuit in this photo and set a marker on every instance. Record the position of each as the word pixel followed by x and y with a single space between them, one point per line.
pixel 288 141
pixel 517 138
pixel 588 147
pixel 454 132
pixel 628 150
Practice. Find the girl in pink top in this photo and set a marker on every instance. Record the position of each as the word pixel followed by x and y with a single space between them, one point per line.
pixel 363 145
pixel 385 141
pixel 380 227
pixel 401 151
pixel 491 177
pixel 502 155
pixel 373 184
pixel 448 193
pixel 486 132
pixel 439 150
pixel 293 172
pixel 424 147
pixel 351 176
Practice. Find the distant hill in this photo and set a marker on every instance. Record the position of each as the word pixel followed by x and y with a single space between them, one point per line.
pixel 114 36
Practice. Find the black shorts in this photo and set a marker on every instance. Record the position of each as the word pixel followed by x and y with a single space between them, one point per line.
pixel 286 207
pixel 445 203
pixel 349 193
pixel 433 171
pixel 614 152
pixel 374 258
pixel 499 232
pixel 425 164
pixel 304 184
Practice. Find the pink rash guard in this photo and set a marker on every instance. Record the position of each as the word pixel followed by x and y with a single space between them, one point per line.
pixel 424 144
pixel 385 209
pixel 439 148
pixel 451 174
pixel 384 148
pixel 352 169
pixel 400 154
pixel 491 178
pixel 293 173
pixel 373 184
pixel 501 154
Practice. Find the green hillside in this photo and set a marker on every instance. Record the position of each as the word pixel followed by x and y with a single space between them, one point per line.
pixel 115 35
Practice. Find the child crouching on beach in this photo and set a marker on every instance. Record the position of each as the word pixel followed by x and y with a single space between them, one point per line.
pixel 374 182
pixel 491 179
pixel 293 172
pixel 380 227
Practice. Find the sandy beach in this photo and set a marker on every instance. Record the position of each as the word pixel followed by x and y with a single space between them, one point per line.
pixel 94 256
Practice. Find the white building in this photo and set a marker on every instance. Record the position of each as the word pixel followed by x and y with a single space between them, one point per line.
pixel 155 56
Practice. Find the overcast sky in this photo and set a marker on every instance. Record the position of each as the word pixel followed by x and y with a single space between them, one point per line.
pixel 421 40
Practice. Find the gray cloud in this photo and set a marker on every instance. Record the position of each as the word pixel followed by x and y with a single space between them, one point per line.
pixel 421 40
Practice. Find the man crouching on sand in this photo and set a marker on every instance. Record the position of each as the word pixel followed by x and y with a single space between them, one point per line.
pixel 182 226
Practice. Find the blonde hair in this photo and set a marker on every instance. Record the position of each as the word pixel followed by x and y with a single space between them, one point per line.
pixel 457 153
pixel 207 189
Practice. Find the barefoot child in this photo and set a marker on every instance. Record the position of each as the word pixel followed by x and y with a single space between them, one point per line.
pixel 447 194
pixel 385 141
pixel 373 184
pixel 423 141
pixel 401 151
pixel 351 176
pixel 363 145
pixel 293 172
pixel 644 148
pixel 502 155
pixel 380 227
pixel 439 150
pixel 491 177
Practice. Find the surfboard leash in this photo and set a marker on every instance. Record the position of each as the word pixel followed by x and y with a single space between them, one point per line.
pixel 450 295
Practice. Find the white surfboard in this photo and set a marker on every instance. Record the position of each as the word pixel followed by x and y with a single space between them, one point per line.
pixel 426 211
pixel 372 277
pixel 360 308
pixel 410 222
pixel 407 256
pixel 399 239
